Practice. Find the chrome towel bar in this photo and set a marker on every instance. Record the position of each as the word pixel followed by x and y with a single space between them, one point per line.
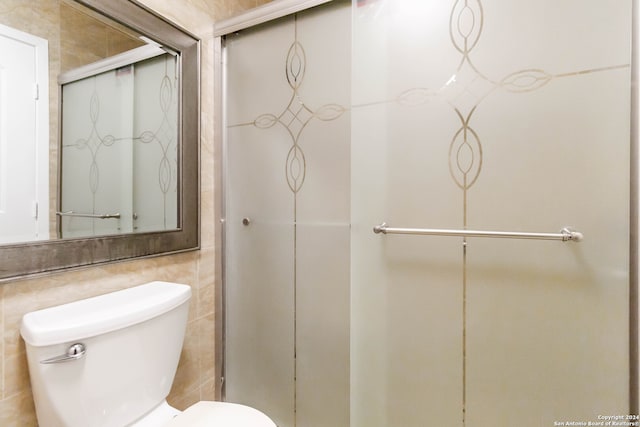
pixel 564 235
pixel 84 215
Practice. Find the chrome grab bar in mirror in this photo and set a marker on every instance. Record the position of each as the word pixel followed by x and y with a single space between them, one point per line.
pixel 83 215
pixel 566 234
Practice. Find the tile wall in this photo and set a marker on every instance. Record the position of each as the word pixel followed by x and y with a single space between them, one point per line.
pixel 195 379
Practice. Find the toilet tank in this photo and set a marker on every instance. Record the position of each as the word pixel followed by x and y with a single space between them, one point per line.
pixel 132 340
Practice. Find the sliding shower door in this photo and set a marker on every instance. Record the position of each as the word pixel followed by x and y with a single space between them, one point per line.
pixel 461 121
pixel 491 116
pixel 287 218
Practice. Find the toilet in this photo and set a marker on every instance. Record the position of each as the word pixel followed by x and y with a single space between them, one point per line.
pixel 110 361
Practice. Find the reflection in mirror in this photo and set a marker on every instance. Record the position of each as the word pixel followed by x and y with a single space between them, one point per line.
pixel 123 144
pixel 24 136
pixel 118 135
pixel 119 145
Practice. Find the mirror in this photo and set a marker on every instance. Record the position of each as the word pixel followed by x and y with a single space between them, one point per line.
pixel 117 174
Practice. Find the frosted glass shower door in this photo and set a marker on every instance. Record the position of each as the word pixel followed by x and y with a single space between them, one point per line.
pixel 287 218
pixel 493 115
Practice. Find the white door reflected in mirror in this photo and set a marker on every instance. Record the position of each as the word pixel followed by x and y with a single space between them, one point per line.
pixel 24 137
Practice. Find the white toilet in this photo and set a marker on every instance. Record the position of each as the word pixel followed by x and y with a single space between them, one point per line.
pixel 109 361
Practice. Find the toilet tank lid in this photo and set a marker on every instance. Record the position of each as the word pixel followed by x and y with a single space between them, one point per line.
pixel 104 313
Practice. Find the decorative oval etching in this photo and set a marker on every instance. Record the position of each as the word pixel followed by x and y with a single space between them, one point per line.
pixel 146 137
pixel 164 175
pixel 94 177
pixel 296 64
pixel 415 96
pixel 465 157
pixel 94 107
pixel 166 93
pixel 526 80
pixel 265 121
pixel 296 168
pixel 329 112
pixel 465 24
pixel 108 140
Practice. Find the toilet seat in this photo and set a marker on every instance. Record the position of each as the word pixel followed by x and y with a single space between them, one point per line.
pixel 221 414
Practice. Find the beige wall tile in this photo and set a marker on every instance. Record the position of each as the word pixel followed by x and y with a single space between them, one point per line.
pixel 228 8
pixel 206 282
pixel 18 411
pixel 208 390
pixel 17 375
pixel 184 400
pixel 206 332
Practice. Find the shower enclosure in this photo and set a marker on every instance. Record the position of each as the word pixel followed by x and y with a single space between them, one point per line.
pixel 426 212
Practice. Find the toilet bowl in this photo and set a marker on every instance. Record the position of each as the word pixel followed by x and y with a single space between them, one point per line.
pixel 110 361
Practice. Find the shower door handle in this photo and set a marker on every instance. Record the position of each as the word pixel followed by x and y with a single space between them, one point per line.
pixel 75 352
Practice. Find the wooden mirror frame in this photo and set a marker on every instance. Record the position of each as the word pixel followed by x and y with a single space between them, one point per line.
pixel 32 258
